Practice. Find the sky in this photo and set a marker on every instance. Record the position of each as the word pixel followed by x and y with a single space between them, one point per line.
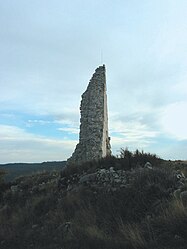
pixel 48 53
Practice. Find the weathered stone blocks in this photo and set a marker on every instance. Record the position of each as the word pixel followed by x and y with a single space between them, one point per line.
pixel 94 142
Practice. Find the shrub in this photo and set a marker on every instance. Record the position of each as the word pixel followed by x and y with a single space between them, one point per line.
pixel 134 159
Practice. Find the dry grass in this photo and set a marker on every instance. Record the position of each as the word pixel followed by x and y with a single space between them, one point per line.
pixel 132 233
pixel 174 213
pixel 36 214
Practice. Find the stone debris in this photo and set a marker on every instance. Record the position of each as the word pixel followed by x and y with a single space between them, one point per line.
pixel 108 179
pixel 180 193
pixel 35 226
pixel 14 188
pixel 94 142
pixel 88 178
pixel 101 179
pixel 115 179
pixel 179 174
pixel 180 178
pixel 148 165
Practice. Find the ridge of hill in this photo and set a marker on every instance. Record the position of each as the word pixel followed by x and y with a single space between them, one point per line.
pixel 13 170
pixel 135 201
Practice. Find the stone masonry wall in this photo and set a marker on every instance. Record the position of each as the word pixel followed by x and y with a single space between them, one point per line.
pixel 94 142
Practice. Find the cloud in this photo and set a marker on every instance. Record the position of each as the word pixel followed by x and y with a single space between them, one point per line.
pixel 134 126
pixel 174 121
pixel 69 130
pixel 17 145
pixel 49 51
pixel 36 121
pixel 131 132
pixel 66 116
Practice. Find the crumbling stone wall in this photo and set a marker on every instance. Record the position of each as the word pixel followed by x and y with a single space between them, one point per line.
pixel 94 142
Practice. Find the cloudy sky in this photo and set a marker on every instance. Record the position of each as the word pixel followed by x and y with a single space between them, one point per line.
pixel 48 53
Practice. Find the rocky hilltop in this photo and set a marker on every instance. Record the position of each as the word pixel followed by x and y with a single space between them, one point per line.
pixel 134 201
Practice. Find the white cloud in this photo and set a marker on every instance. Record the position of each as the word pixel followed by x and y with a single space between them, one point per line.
pixel 133 130
pixel 174 120
pixel 32 122
pixel 70 130
pixel 130 133
pixel 16 145
pixel 68 116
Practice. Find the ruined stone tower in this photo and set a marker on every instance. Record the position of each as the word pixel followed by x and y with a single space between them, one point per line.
pixel 94 142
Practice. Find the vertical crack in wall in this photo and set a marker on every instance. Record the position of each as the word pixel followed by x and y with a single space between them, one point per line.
pixel 94 142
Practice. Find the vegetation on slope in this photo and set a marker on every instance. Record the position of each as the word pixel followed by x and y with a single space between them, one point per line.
pixel 42 211
pixel 14 170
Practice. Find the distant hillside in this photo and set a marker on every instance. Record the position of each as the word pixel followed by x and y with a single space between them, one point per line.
pixel 14 170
